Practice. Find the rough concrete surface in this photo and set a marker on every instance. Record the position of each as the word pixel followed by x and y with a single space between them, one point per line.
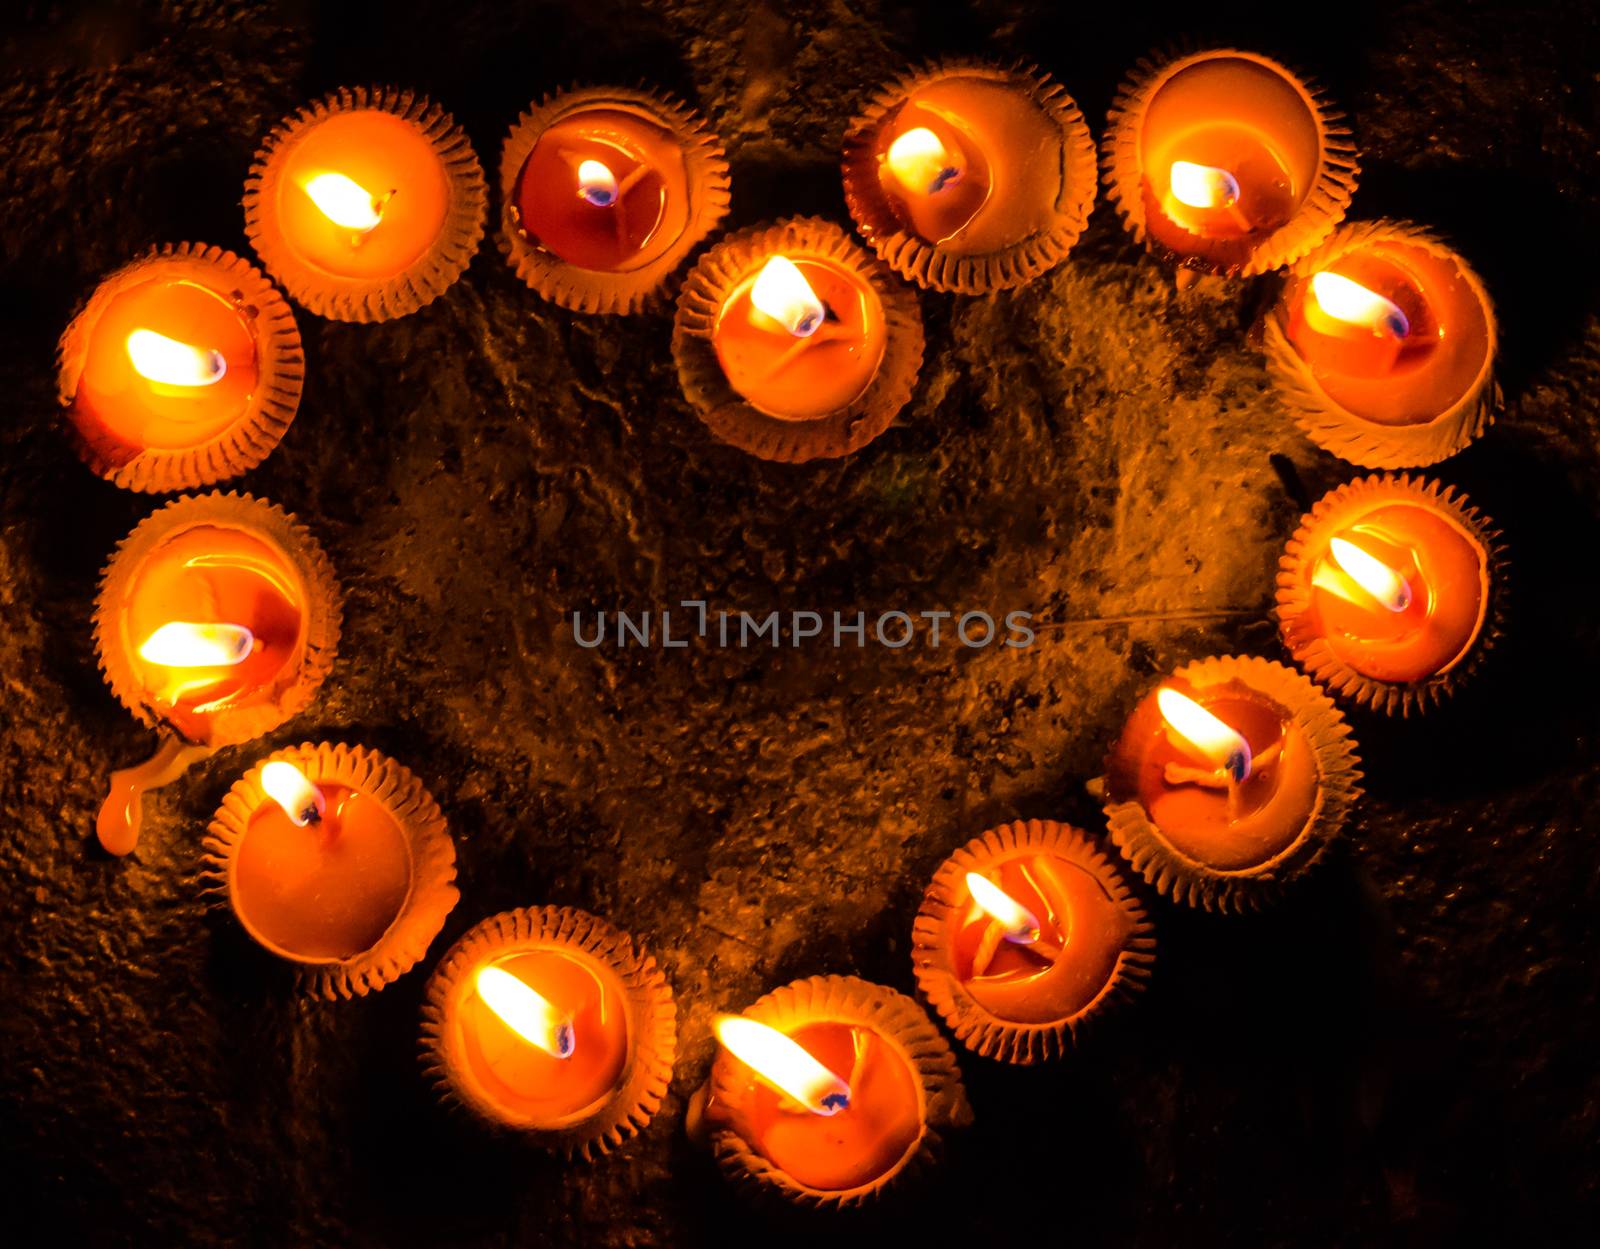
pixel 1402 1053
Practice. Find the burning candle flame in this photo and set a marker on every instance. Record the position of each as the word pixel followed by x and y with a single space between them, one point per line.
pixel 597 184
pixel 345 202
pixel 782 292
pixel 292 790
pixel 1209 737
pixel 182 644
pixel 784 1064
pixel 1354 304
pixel 921 163
pixel 1203 186
pixel 1371 574
pixel 1020 924
pixel 158 358
pixel 527 1013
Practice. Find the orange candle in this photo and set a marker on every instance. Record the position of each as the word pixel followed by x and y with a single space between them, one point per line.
pixel 1229 780
pixel 970 177
pixel 1026 935
pixel 183 368
pixel 336 859
pixel 1227 162
pixel 606 191
pixel 792 343
pixel 1387 592
pixel 366 205
pixel 217 620
pixel 551 1022
pixel 1383 347
pixel 829 1089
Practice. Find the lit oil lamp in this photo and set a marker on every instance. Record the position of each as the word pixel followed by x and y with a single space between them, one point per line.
pixel 970 177
pixel 1229 781
pixel 1226 162
pixel 335 859
pixel 551 1022
pixel 184 368
pixel 217 620
pixel 366 205
pixel 793 343
pixel 1383 345
pixel 1027 936
pixel 1390 592
pixel 827 1091
pixel 604 194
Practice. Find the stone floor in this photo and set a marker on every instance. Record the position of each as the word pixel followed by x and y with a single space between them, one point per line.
pixel 1403 1053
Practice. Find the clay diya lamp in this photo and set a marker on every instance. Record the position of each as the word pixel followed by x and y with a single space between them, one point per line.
pixel 551 1023
pixel 366 205
pixel 970 177
pixel 828 1091
pixel 184 368
pixel 1382 346
pixel 1226 162
pixel 794 343
pixel 217 620
pixel 1027 935
pixel 1229 780
pixel 1389 592
pixel 604 192
pixel 336 859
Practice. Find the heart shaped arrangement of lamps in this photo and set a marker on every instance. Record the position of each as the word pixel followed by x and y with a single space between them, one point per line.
pixel 218 617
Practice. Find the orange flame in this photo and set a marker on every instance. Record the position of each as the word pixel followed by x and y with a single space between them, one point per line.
pixel 1204 734
pixel 1021 925
pixel 292 790
pixel 921 163
pixel 167 361
pixel 783 1064
pixel 1354 304
pixel 782 292
pixel 1203 186
pixel 1380 582
pixel 182 644
pixel 526 1012
pixel 345 202
pixel 596 183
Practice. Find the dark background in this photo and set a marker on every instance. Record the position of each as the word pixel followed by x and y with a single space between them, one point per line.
pixel 1404 1053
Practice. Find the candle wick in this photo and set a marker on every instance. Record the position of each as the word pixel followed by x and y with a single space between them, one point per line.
pixel 988 946
pixel 630 181
pixel 830 331
pixel 1046 952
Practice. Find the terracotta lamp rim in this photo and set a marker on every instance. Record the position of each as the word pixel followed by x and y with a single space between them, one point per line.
pixel 898 1021
pixel 341 298
pixel 651 1026
pixel 1332 749
pixel 707 188
pixel 977 1026
pixel 322 611
pixel 936 267
pixel 1344 506
pixel 1351 436
pixel 1320 210
pixel 431 893
pixel 265 417
pixel 732 417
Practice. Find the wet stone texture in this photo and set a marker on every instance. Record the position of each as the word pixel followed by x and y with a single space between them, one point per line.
pixel 1402 1053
